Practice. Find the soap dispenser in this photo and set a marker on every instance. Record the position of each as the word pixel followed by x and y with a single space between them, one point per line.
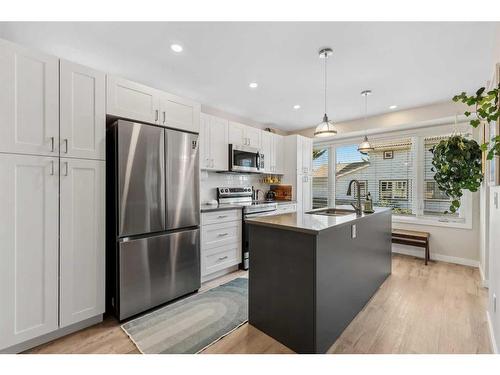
pixel 368 204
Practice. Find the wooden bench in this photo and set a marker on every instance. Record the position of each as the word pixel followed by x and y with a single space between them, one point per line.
pixel 413 238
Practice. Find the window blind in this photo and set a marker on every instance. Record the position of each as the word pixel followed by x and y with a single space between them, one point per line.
pixel 320 178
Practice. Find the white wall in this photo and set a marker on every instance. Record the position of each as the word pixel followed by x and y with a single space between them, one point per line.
pixel 209 181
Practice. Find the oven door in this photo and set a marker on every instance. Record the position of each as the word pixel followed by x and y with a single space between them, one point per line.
pixel 245 159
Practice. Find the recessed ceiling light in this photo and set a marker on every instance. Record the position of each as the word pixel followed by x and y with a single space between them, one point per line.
pixel 296 106
pixel 393 107
pixel 253 85
pixel 176 48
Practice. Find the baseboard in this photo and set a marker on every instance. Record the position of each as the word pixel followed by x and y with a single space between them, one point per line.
pixel 26 345
pixel 484 281
pixel 493 341
pixel 220 273
pixel 439 257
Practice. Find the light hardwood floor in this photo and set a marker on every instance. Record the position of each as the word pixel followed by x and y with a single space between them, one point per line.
pixel 439 308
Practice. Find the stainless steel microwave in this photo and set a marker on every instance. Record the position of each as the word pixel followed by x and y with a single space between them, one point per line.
pixel 245 159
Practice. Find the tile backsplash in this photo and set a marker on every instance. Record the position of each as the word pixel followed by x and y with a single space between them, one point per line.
pixel 209 181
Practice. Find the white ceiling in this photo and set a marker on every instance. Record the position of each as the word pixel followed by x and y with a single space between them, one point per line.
pixel 408 64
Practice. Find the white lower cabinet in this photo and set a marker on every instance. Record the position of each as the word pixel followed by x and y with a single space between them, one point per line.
pixel 221 241
pixel 82 240
pixel 285 208
pixel 28 247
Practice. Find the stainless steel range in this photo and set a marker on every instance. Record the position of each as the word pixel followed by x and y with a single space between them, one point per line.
pixel 251 208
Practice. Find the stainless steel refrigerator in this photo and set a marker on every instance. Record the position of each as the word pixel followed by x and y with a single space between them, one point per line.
pixel 153 216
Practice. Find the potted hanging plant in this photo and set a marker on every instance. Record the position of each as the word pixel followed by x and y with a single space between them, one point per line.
pixel 457 160
pixel 457 163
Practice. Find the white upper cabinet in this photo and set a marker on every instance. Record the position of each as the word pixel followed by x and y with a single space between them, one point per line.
pixel 28 247
pixel 236 133
pixel 272 147
pixel 29 101
pixel 279 154
pixel 306 147
pixel 219 148
pixel 213 143
pixel 82 109
pixel 253 136
pixel 82 248
pixel 132 100
pixel 179 113
pixel 244 135
pixel 267 148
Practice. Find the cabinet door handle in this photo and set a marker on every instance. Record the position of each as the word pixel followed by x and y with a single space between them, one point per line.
pixel 52 167
pixel 66 145
pixel 222 234
pixel 156 115
pixel 66 168
pixel 164 116
pixel 51 144
pixel 222 258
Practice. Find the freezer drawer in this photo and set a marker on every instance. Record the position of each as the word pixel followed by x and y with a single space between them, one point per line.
pixel 141 187
pixel 157 269
pixel 182 179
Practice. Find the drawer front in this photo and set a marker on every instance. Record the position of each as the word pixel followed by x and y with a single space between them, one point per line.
pixel 217 217
pixel 215 235
pixel 285 208
pixel 220 258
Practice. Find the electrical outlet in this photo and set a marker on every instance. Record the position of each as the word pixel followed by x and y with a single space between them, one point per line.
pixel 353 231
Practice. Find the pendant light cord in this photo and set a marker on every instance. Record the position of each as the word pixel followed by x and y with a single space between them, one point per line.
pixel 326 58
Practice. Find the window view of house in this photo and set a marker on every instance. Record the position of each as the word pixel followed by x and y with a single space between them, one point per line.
pixel 397 173
pixel 387 173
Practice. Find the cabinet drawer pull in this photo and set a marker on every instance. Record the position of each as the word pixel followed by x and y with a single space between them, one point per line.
pixel 66 169
pixel 156 115
pixel 66 145
pixel 222 234
pixel 164 116
pixel 52 167
pixel 51 144
pixel 221 216
pixel 222 258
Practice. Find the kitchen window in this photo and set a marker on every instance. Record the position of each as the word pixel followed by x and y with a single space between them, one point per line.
pixel 404 181
pixel 393 189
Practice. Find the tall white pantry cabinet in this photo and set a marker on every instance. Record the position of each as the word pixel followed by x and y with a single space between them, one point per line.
pixel 52 165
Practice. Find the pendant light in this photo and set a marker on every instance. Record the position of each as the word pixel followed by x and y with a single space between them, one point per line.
pixel 326 128
pixel 365 147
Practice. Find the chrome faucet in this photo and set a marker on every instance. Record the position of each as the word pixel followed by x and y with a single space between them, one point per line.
pixel 357 207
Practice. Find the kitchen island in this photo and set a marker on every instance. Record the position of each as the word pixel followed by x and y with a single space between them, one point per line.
pixel 311 273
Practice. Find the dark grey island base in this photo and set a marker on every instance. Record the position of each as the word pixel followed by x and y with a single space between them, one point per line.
pixel 309 277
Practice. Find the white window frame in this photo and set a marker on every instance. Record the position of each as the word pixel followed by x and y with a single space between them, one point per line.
pixel 464 221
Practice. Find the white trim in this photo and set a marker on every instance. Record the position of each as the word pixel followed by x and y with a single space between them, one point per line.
pixel 491 332
pixel 60 332
pixel 484 281
pixel 432 222
pixel 439 257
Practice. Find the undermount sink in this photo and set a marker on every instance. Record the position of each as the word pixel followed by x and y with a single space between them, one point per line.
pixel 332 212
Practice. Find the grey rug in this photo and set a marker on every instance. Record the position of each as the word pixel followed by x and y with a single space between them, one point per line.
pixel 194 323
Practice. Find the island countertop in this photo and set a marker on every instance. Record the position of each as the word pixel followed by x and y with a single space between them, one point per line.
pixel 309 222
